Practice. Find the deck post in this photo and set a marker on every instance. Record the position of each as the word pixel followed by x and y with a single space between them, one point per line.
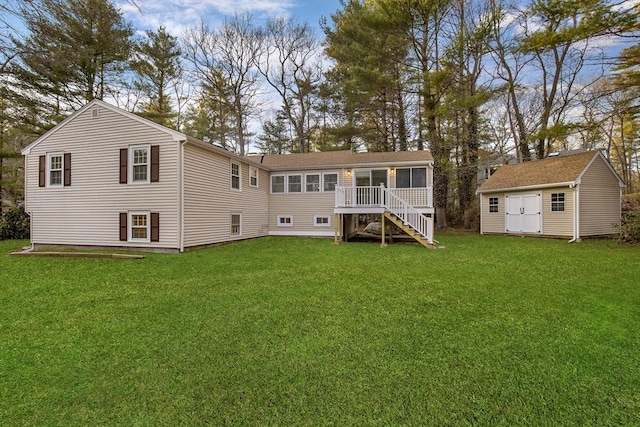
pixel 336 227
pixel 383 244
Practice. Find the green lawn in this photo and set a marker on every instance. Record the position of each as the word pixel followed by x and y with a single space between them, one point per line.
pixel 288 331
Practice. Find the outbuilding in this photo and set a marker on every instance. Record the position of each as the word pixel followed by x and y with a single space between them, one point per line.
pixel 570 195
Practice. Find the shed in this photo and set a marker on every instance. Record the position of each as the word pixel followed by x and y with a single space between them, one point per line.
pixel 572 195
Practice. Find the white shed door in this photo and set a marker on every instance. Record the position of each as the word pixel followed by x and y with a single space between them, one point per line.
pixel 523 213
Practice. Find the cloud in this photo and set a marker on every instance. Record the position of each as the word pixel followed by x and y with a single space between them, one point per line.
pixel 178 15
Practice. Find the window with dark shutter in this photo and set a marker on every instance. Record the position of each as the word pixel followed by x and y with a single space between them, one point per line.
pixel 155 163
pixel 42 171
pixel 67 169
pixel 124 154
pixel 155 227
pixel 123 226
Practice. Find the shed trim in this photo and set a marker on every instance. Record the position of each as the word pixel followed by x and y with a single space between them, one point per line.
pixel 526 188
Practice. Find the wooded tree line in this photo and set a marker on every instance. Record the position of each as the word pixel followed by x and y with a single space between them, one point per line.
pixel 477 82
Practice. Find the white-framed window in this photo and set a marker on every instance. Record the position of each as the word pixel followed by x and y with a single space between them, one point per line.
pixel 322 221
pixel 557 202
pixel 253 176
pixel 277 183
pixel 139 227
pixel 329 182
pixel 285 220
pixel 55 165
pixel 411 177
pixel 494 205
pixel 312 183
pixel 235 176
pixel 236 225
pixel 139 161
pixel 294 183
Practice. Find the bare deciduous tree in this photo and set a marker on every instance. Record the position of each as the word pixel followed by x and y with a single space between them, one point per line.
pixel 290 64
pixel 224 60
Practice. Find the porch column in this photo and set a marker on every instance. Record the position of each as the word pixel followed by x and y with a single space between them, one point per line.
pixel 382 222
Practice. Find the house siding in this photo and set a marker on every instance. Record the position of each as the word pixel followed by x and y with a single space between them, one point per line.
pixel 557 223
pixel 303 207
pixel 209 200
pixel 493 222
pixel 88 211
pixel 553 223
pixel 599 200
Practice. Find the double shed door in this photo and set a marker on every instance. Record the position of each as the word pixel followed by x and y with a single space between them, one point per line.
pixel 523 213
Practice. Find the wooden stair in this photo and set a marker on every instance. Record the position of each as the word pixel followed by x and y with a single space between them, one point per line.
pixel 409 230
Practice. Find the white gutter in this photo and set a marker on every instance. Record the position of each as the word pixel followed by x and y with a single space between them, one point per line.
pixel 181 195
pixel 528 187
pixel 576 213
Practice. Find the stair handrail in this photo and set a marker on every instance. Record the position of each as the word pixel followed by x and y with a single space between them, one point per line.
pixel 407 214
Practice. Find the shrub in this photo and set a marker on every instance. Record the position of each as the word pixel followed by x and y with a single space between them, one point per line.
pixel 14 223
pixel 630 220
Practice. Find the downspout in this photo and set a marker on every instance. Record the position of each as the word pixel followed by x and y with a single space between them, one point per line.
pixel 480 206
pixel 576 213
pixel 181 196
pixel 26 194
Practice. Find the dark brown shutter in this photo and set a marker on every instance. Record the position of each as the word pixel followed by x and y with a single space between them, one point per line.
pixel 42 171
pixel 123 226
pixel 155 227
pixel 124 154
pixel 155 163
pixel 67 169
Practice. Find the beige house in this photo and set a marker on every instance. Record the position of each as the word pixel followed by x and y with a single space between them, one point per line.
pixel 105 177
pixel 572 196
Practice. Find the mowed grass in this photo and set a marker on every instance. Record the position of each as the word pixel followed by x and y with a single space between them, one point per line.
pixel 292 331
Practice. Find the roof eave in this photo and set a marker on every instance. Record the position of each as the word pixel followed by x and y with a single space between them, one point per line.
pixel 353 165
pixel 527 187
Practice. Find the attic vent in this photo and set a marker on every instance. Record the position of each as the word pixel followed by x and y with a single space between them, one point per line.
pixel 95 113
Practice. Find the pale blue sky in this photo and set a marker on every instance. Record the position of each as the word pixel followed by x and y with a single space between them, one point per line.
pixel 177 15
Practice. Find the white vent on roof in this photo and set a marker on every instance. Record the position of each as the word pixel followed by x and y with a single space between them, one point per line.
pixel 556 154
pixel 95 113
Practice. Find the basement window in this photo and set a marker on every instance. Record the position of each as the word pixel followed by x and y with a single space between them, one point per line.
pixel 285 221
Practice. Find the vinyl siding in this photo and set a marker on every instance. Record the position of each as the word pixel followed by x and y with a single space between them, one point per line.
pixel 557 223
pixel 87 212
pixel 209 200
pixel 493 222
pixel 599 200
pixel 553 223
pixel 303 207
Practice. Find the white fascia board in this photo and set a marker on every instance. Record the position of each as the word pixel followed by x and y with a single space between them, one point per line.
pixel 527 187
pixel 606 162
pixel 395 164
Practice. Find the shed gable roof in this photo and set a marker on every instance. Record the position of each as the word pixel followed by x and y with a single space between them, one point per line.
pixel 344 158
pixel 552 170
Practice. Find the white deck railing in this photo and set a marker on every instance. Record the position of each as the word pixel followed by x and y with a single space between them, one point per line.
pixel 358 197
pixel 410 216
pixel 399 201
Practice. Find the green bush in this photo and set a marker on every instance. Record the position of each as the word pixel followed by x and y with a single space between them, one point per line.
pixel 630 226
pixel 14 223
pixel 630 220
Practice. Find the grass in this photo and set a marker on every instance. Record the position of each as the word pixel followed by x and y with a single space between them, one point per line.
pixel 287 331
